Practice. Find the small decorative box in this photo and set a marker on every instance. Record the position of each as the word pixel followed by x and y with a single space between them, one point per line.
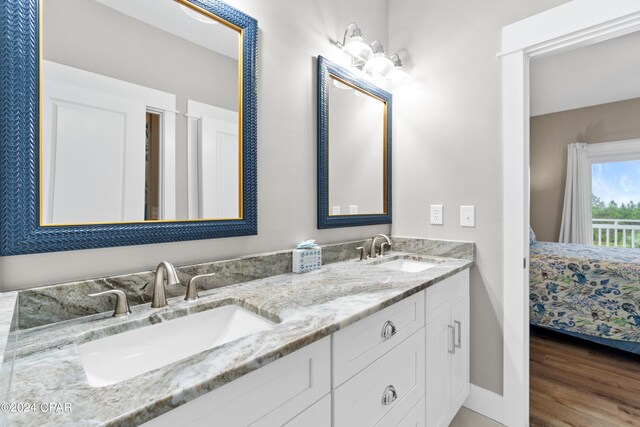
pixel 305 260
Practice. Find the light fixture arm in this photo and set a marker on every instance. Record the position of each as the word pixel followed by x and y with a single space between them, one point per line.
pixel 377 47
pixel 355 32
pixel 397 62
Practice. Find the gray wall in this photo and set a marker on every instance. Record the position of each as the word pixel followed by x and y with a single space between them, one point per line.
pixel 550 135
pixel 291 34
pixel 447 144
pixel 96 38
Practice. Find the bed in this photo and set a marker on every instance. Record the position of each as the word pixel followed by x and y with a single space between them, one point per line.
pixel 589 292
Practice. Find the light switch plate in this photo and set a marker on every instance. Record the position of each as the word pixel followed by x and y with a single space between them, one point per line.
pixel 437 214
pixel 353 209
pixel 467 216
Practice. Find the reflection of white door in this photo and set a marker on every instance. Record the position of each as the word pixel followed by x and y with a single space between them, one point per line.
pixel 94 146
pixel 214 162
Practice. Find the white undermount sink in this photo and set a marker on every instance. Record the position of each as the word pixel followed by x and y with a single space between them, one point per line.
pixel 118 357
pixel 408 265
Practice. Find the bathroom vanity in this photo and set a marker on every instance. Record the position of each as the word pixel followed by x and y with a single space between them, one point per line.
pixel 383 341
pixel 377 371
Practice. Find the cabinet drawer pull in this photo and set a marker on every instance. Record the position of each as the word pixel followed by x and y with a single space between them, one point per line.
pixel 388 329
pixel 459 325
pixel 389 395
pixel 452 343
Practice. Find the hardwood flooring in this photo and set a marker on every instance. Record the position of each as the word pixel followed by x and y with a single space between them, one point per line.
pixel 577 383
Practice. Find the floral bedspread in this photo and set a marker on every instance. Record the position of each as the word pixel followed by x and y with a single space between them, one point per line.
pixel 586 289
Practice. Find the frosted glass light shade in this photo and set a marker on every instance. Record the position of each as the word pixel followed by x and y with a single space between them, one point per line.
pixel 379 65
pixel 358 49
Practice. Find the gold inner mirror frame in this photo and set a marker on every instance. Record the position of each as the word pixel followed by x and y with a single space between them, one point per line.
pixel 240 91
pixel 384 144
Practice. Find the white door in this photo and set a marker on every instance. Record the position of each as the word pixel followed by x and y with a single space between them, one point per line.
pixel 439 343
pixel 460 359
pixel 214 162
pixel 93 146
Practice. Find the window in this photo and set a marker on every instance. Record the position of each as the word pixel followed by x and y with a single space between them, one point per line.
pixel 615 193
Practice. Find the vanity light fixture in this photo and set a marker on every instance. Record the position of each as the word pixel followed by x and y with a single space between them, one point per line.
pixel 370 59
pixel 379 65
pixel 355 45
pixel 397 74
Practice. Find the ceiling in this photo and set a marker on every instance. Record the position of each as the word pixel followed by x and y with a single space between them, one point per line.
pixel 604 72
pixel 173 18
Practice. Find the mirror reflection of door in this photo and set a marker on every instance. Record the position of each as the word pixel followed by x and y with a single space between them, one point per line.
pixel 357 151
pixel 117 80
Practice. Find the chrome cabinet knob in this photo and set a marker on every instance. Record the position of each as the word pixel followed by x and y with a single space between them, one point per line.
pixel 388 329
pixel 389 395
pixel 122 305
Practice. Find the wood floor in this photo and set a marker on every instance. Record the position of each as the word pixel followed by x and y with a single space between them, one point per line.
pixel 575 383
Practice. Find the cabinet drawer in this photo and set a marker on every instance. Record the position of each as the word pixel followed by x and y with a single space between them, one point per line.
pixel 438 295
pixel 359 401
pixel 416 417
pixel 358 345
pixel 270 396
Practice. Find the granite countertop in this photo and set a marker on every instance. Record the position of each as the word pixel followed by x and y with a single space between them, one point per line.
pixel 47 368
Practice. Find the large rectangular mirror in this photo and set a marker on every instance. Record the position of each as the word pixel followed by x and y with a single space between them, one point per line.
pixel 140 113
pixel 145 118
pixel 354 149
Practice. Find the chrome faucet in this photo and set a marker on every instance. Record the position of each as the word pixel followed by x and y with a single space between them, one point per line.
pixel 159 299
pixel 382 246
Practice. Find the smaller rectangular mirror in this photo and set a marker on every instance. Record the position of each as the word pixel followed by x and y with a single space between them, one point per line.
pixel 354 149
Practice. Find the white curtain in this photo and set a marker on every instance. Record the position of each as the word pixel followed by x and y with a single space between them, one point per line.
pixel 576 214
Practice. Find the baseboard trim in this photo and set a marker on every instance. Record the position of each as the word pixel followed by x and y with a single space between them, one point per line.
pixel 485 402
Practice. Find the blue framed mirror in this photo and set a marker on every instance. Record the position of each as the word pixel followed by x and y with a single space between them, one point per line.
pixel 125 123
pixel 354 149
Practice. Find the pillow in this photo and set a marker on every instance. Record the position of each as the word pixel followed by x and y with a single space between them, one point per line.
pixel 532 236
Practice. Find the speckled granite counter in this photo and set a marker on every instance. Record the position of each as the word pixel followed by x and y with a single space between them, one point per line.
pixel 46 365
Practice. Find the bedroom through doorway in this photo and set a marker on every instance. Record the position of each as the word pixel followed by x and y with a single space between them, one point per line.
pixel 584 265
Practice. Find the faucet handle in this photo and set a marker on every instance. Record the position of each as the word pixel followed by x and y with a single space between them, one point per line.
pixel 363 253
pixel 383 246
pixel 122 305
pixel 192 288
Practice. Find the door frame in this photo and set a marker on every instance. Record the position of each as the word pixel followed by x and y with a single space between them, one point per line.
pixel 574 24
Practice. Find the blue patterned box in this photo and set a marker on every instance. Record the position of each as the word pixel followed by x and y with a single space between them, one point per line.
pixel 305 260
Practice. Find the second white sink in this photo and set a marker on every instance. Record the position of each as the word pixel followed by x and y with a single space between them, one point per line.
pixel 118 357
pixel 408 265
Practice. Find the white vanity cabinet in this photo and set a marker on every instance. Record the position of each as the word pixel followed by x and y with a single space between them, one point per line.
pixel 406 365
pixel 447 348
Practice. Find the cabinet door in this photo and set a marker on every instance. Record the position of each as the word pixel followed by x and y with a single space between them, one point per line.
pixel 318 415
pixel 460 359
pixel 439 344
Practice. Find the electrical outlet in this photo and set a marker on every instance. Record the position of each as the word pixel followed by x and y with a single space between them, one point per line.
pixel 335 210
pixel 467 216
pixel 353 209
pixel 437 214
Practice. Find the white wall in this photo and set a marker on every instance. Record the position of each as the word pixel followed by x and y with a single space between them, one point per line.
pixel 291 34
pixel 447 143
pixel 597 74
